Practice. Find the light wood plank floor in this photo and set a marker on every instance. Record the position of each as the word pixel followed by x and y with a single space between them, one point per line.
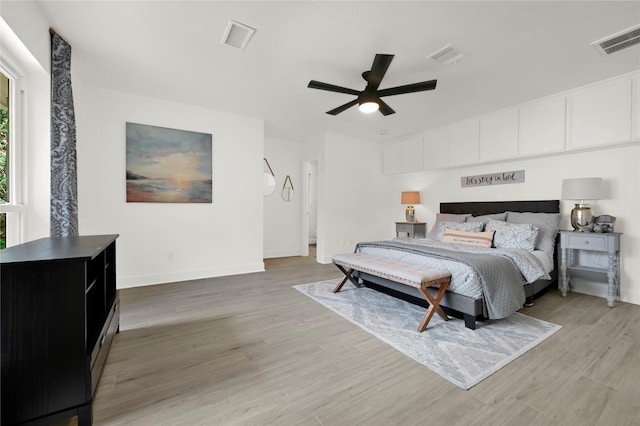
pixel 251 350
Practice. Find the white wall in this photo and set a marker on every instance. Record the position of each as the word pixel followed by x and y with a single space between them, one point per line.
pixel 283 220
pixel 618 166
pixel 31 27
pixel 170 242
pixel 353 196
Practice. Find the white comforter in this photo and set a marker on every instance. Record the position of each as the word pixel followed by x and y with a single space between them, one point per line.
pixel 464 279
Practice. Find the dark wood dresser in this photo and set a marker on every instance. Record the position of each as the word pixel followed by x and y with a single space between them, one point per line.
pixel 59 312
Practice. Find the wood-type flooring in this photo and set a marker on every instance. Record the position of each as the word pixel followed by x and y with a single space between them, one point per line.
pixel 251 350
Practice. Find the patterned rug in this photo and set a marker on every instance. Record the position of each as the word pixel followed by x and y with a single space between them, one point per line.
pixel 462 356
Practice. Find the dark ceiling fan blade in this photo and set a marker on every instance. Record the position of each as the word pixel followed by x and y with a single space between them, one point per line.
pixel 384 108
pixel 409 88
pixel 378 69
pixel 344 107
pixel 332 88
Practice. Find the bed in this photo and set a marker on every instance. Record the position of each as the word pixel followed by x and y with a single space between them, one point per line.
pixel 465 299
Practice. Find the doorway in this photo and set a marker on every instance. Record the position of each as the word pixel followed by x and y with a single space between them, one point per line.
pixel 310 208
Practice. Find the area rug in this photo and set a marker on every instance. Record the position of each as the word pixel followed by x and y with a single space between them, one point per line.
pixel 463 356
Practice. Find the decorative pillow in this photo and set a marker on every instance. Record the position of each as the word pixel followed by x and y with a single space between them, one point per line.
pixel 487 217
pixel 548 223
pixel 445 217
pixel 513 235
pixel 464 226
pixel 480 239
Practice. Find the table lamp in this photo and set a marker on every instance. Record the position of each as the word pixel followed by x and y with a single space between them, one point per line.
pixel 410 197
pixel 581 189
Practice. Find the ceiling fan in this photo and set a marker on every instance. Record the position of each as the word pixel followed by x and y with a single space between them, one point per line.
pixel 369 98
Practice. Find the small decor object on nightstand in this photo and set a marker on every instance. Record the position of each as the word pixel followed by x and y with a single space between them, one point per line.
pixel 603 223
pixel 581 189
pixel 410 197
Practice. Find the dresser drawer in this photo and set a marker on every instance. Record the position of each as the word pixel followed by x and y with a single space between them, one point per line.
pixel 404 227
pixel 587 242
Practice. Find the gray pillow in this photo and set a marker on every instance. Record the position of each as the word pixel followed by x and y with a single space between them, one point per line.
pixel 513 235
pixel 459 226
pixel 548 223
pixel 487 217
pixel 445 217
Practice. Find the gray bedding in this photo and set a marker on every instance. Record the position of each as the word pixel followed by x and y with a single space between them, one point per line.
pixel 501 273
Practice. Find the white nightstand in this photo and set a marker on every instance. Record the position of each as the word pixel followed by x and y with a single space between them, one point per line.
pixel 572 243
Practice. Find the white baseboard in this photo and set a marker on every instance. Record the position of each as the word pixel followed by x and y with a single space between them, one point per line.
pixel 631 297
pixel 189 275
pixel 282 253
pixel 600 289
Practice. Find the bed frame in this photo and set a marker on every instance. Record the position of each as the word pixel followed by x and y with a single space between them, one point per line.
pixel 465 307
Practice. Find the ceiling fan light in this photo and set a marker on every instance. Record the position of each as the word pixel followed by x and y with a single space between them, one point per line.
pixel 369 107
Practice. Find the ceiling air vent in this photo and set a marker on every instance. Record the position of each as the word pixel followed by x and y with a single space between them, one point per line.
pixel 237 35
pixel 446 55
pixel 618 41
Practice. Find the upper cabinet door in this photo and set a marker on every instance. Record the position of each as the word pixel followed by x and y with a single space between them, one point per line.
pixel 600 115
pixel 499 135
pixel 436 148
pixel 463 148
pixel 403 157
pixel 542 128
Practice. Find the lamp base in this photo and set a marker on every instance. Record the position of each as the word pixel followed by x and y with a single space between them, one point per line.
pixel 410 214
pixel 580 216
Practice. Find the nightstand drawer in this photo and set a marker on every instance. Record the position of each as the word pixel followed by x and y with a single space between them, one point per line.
pixel 404 227
pixel 587 242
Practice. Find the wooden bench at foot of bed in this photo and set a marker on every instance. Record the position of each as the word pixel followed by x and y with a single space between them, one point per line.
pixel 417 276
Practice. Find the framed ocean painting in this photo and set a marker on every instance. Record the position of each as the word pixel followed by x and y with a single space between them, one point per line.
pixel 168 165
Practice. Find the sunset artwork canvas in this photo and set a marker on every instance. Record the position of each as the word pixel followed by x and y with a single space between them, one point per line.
pixel 168 165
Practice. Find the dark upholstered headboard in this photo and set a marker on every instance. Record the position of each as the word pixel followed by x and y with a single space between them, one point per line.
pixel 478 208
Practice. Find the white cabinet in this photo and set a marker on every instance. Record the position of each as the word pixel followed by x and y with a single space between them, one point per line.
pixel 499 135
pixel 463 148
pixel 403 157
pixel 542 127
pixel 436 148
pixel 600 115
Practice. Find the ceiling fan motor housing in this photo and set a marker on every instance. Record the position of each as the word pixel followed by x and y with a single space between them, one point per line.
pixel 371 94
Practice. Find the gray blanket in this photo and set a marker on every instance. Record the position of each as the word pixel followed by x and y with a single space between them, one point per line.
pixel 502 282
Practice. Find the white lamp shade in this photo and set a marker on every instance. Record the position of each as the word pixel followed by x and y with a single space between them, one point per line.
pixel 582 189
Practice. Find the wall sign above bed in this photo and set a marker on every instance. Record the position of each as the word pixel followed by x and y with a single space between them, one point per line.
pixel 501 178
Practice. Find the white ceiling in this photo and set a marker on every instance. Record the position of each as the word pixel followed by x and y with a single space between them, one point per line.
pixel 514 51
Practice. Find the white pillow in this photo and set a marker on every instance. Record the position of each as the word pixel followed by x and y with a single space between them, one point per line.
pixel 459 226
pixel 513 235
pixel 478 239
pixel 445 217
pixel 548 224
pixel 485 218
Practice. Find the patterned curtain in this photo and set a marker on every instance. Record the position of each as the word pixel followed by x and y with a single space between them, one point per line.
pixel 64 185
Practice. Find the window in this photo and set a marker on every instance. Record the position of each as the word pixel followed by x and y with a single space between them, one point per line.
pixel 11 209
pixel 22 79
pixel 4 155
